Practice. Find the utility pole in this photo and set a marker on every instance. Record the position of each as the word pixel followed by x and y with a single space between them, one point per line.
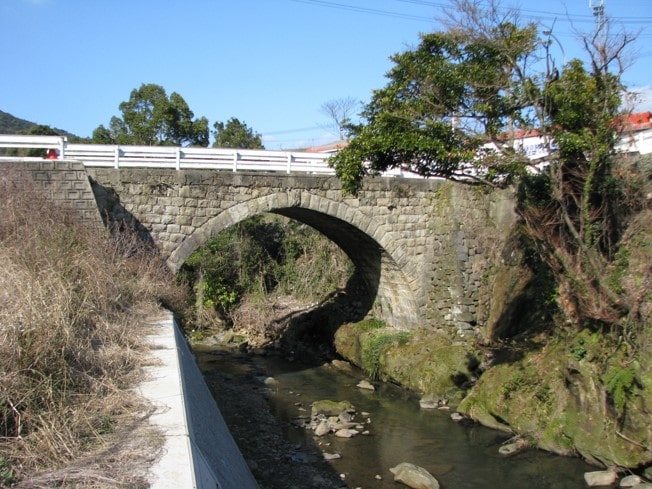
pixel 598 12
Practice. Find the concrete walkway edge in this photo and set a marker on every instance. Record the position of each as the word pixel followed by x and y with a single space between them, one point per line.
pixel 199 451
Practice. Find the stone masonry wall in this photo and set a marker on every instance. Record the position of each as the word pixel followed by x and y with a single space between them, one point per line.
pixel 471 227
pixel 65 182
pixel 427 248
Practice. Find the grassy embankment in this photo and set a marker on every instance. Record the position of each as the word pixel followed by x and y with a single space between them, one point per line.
pixel 72 306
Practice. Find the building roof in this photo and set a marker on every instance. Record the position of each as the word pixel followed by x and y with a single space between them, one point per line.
pixel 328 148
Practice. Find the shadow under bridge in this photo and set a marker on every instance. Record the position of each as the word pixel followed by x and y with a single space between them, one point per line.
pixel 377 284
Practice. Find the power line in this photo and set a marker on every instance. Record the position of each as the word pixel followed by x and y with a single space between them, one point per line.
pixel 365 10
pixel 291 131
pixel 541 15
pixel 551 15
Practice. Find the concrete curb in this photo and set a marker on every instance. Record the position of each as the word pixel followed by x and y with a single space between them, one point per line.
pixel 199 451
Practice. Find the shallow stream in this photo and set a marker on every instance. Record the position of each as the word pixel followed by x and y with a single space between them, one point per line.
pixel 458 456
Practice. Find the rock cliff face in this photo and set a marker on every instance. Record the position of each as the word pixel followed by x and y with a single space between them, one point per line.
pixel 589 392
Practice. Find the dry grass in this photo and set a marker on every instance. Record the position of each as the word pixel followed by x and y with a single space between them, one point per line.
pixel 71 300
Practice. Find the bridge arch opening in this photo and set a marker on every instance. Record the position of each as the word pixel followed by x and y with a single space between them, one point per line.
pixel 377 285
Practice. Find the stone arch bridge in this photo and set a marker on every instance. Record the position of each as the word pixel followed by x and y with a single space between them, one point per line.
pixel 425 251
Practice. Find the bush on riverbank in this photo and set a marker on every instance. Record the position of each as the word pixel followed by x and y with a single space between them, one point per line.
pixel 71 299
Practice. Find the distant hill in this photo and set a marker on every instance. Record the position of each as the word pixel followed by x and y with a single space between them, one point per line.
pixel 14 125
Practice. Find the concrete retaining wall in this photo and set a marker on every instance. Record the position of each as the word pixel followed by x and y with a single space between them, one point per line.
pixel 199 451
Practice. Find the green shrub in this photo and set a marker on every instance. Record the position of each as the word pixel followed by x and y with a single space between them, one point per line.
pixel 6 475
pixel 620 383
pixel 370 324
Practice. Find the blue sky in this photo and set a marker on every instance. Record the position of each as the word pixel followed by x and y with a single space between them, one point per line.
pixel 270 63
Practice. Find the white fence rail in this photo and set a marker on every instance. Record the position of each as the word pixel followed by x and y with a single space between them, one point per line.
pixel 100 155
pixel 57 143
pixel 117 156
pixel 195 158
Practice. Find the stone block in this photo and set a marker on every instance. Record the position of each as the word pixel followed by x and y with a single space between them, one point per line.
pixel 184 220
pixel 198 221
pixel 167 219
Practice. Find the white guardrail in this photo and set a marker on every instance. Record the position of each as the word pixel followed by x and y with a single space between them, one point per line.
pixel 118 156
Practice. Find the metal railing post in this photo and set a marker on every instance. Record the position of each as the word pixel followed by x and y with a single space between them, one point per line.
pixel 236 157
pixel 62 147
pixel 116 157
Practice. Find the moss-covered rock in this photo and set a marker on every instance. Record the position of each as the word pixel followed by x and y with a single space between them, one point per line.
pixel 557 397
pixel 425 362
pixel 331 408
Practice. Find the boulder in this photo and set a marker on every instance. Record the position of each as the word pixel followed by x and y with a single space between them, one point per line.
pixel 600 478
pixel 429 402
pixel 630 481
pixel 513 446
pixel 335 425
pixel 331 408
pixel 331 456
pixel 366 385
pixel 414 476
pixel 342 366
pixel 346 433
pixel 345 417
pixel 322 428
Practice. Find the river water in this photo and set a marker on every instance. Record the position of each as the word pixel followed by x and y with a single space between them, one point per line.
pixel 458 456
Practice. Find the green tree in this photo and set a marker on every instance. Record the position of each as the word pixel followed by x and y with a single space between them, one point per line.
pixel 451 108
pixel 458 90
pixel 151 118
pixel 236 134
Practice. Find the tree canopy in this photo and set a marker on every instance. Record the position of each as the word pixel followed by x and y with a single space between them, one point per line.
pixel 236 134
pixel 151 118
pixel 458 90
pixel 452 108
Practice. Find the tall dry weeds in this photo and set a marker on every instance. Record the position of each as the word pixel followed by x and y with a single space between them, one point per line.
pixel 71 301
